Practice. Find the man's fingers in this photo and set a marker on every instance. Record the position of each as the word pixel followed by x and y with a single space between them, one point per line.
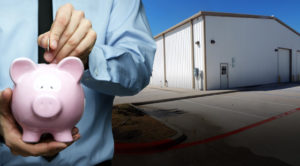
pixel 75 39
pixel 76 137
pixel 71 28
pixel 86 44
pixel 6 96
pixel 47 148
pixel 54 148
pixel 55 151
pixel 15 153
pixel 43 40
pixel 75 131
pixel 43 149
pixel 67 32
pixel 39 148
pixel 60 23
pixel 73 25
pixel 40 39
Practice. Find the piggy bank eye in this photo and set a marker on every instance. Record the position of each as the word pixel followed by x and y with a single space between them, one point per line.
pixel 47 83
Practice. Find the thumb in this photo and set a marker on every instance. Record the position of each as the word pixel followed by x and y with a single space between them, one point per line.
pixel 43 39
pixel 6 95
pixel 5 98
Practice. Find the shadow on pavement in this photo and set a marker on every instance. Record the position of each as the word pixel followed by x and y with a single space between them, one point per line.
pixel 270 87
pixel 212 154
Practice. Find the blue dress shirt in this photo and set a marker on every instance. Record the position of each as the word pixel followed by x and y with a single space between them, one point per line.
pixel 119 64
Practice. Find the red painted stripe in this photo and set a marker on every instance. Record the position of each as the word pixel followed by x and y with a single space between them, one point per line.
pixel 234 131
pixel 141 145
pixel 153 147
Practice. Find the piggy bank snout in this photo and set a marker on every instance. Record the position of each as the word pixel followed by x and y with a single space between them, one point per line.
pixel 46 106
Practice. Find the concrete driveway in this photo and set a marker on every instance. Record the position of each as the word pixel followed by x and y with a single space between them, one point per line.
pixel 240 128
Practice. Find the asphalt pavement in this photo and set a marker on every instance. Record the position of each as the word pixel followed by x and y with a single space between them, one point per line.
pixel 254 126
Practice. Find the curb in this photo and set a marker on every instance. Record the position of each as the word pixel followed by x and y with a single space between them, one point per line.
pixel 183 97
pixel 150 147
pixel 248 88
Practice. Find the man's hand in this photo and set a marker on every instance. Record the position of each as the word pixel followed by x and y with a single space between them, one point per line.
pixel 13 137
pixel 71 34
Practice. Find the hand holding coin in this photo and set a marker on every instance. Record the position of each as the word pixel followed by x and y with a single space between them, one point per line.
pixel 71 34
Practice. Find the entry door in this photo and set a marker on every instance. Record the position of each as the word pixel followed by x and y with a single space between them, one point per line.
pixel 298 66
pixel 284 65
pixel 224 75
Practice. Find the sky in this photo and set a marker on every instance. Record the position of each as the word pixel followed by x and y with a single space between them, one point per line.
pixel 163 14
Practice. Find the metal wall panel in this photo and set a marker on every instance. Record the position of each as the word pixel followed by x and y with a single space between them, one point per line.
pixel 198 51
pixel 157 77
pixel 248 46
pixel 178 57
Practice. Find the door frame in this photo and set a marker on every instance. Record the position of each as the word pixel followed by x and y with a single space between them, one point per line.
pixel 291 67
pixel 220 69
pixel 297 65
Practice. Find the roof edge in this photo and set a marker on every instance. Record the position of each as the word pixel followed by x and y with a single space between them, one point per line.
pixel 179 24
pixel 221 14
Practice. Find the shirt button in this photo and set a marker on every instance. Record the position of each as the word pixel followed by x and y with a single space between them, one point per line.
pixel 96 72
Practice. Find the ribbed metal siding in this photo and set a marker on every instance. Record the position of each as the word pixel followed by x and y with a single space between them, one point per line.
pixel 178 57
pixel 158 65
pixel 247 45
pixel 198 50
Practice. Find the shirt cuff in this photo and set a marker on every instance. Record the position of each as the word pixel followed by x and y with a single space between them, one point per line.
pixel 99 77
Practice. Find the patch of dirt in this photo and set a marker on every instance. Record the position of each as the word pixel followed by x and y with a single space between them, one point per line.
pixel 131 125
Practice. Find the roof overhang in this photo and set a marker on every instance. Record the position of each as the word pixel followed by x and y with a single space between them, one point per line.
pixel 220 14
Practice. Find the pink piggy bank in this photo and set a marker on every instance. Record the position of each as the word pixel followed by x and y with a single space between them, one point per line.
pixel 47 98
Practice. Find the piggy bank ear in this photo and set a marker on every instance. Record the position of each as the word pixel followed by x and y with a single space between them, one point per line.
pixel 19 67
pixel 73 66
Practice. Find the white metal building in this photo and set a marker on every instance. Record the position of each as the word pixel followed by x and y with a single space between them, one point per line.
pixel 223 50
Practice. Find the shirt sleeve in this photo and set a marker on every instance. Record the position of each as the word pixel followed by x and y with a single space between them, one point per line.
pixel 123 65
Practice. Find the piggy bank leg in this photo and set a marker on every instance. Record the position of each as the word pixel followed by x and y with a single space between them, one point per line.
pixel 31 136
pixel 63 136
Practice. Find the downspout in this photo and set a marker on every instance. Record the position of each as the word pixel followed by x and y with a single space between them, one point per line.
pixel 164 55
pixel 204 54
pixel 192 53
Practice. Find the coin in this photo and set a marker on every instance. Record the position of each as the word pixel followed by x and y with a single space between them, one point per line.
pixel 48 45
